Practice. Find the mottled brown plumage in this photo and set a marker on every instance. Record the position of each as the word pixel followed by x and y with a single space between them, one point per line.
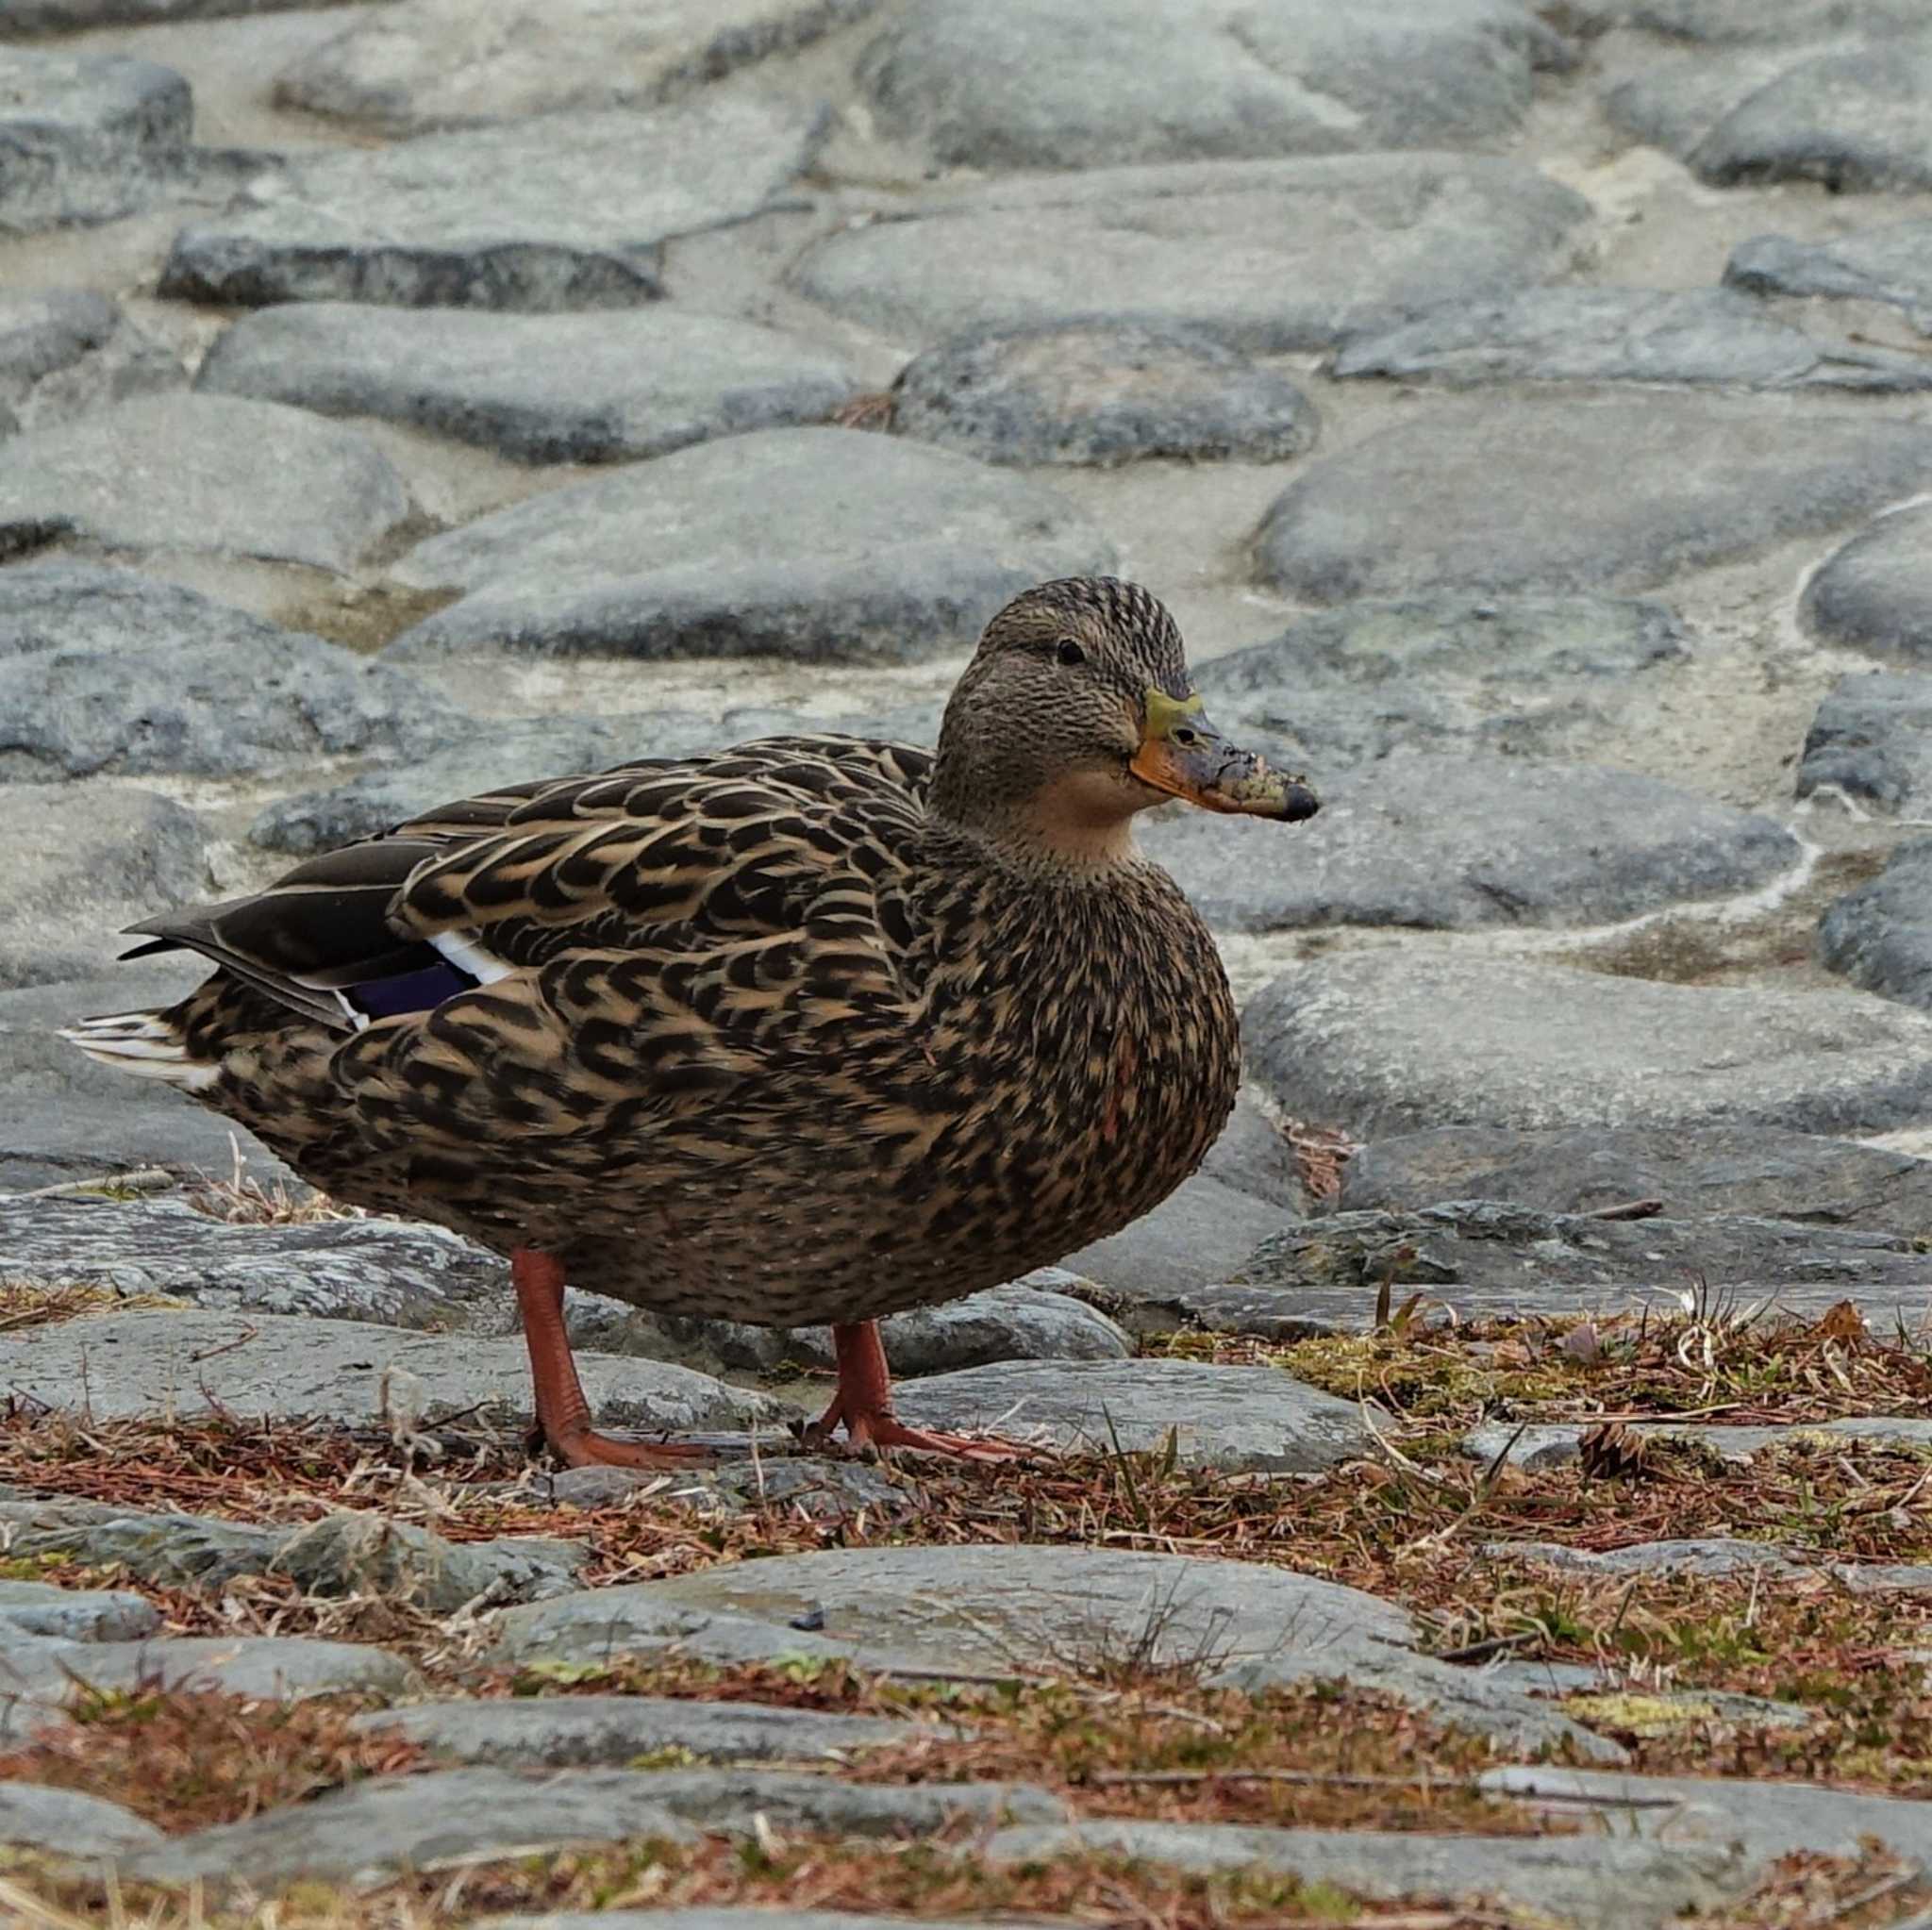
pixel 810 1030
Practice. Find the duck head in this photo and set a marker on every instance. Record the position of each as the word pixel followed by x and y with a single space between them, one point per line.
pixel 1076 713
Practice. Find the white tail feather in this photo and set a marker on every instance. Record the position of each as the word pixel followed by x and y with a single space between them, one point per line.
pixel 143 1044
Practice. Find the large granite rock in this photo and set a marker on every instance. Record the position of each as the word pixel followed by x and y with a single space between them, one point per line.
pixel 106 672
pixel 204 472
pixel 65 351
pixel 88 137
pixel 1483 1258
pixel 83 861
pixel 1855 118
pixel 820 545
pixel 1589 1880
pixel 1891 264
pixel 1872 742
pixel 1030 84
pixel 1875 593
pixel 1578 494
pixel 1538 676
pixel 1197 1234
pixel 1880 935
pixel 425 64
pixel 612 1730
pixel 1249 1419
pixel 1391 1042
pixel 1265 255
pixel 570 212
pixel 481 755
pixel 1688 336
pixel 1025 1610
pixel 1438 842
pixel 1100 392
pixel 596 387
pixel 168 1361
pixel 1761 1172
pixel 396 1274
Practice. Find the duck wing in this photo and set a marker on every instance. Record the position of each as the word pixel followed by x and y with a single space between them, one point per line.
pixel 669 856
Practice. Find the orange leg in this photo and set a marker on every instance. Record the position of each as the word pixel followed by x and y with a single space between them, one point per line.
pixel 864 1404
pixel 562 1412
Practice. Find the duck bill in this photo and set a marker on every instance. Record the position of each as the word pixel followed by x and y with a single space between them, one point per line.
pixel 1185 755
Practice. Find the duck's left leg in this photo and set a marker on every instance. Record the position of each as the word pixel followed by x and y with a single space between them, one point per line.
pixel 863 1405
pixel 562 1412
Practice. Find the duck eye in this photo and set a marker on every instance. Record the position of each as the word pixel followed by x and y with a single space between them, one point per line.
pixel 1068 652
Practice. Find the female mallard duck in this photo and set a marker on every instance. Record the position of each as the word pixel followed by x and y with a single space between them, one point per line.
pixel 812 1030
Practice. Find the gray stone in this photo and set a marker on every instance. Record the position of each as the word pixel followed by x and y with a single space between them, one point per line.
pixel 1690 336
pixel 400 1274
pixel 1577 493
pixel 1199 1233
pixel 1758 1171
pixel 1891 264
pixel 76 16
pixel 1591 1881
pixel 558 1731
pixel 451 63
pixel 63 1118
pixel 1872 742
pixel 819 544
pixel 475 759
pixel 1061 1610
pixel 263 1668
pixel 1242 1418
pixel 1023 1321
pixel 349 1553
pixel 373 1831
pixel 242 478
pixel 1391 1042
pixel 1553 1444
pixel 1483 1259
pixel 1028 84
pixel 596 387
pixel 1534 676
pixel 1253 1155
pixel 1436 843
pixel 1100 392
pixel 67 352
pixel 104 671
pixel 732 1800
pixel 1875 593
pixel 346 1553
pixel 82 862
pixel 1766 1820
pixel 170 1550
pixel 70 1824
pixel 481 757
pixel 1855 119
pixel 1718 22
pixel 164 1361
pixel 88 136
pixel 80 1615
pixel 1675 103
pixel 1880 936
pixel 1262 255
pixel 546 213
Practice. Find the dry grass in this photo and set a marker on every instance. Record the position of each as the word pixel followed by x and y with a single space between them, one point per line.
pixel 938 1879
pixel 186 1761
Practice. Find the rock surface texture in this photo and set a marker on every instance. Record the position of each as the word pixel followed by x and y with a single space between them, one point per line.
pixel 1520 1417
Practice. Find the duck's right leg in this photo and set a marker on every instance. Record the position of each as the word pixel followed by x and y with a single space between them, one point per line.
pixel 562 1412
